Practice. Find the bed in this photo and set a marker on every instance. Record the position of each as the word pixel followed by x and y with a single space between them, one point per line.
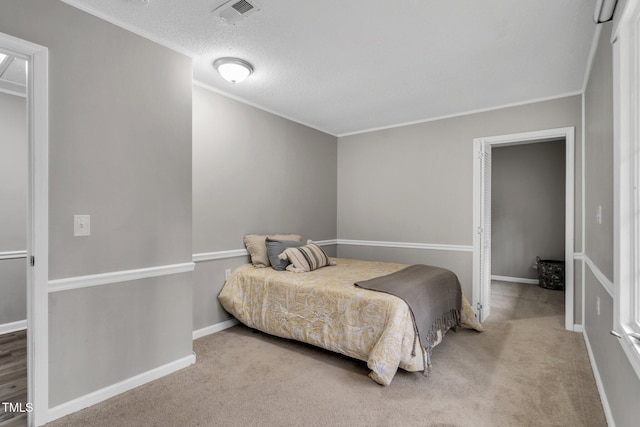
pixel 324 308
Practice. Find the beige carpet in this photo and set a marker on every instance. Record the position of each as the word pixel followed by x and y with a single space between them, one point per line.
pixel 524 370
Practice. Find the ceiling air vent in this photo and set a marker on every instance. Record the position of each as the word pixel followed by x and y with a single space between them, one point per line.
pixel 235 10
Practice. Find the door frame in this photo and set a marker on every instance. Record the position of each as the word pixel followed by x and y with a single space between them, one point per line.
pixel 37 223
pixel 568 133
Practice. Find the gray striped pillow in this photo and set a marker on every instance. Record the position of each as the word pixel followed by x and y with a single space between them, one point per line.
pixel 306 258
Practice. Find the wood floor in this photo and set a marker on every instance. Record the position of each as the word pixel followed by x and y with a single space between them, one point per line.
pixel 13 377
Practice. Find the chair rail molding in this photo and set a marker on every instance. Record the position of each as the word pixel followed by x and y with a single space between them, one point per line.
pixel 13 255
pixel 79 282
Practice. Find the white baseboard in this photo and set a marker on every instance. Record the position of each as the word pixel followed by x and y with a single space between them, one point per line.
pixel 214 328
pixel 118 388
pixel 516 280
pixel 596 374
pixel 578 328
pixel 7 328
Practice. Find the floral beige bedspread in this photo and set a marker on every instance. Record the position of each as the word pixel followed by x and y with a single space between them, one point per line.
pixel 324 308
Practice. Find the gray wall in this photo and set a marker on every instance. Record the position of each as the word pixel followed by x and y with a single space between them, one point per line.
pixel 13 209
pixel 253 172
pixel 620 382
pixel 120 150
pixel 414 183
pixel 123 342
pixel 527 207
pixel 13 285
pixel 599 157
pixel 13 172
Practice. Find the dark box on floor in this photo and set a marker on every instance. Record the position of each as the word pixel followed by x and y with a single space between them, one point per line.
pixel 551 274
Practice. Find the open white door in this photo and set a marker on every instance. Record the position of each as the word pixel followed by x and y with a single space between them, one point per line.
pixel 485 232
pixel 481 300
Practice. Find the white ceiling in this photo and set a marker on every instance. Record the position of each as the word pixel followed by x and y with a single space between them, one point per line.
pixel 348 66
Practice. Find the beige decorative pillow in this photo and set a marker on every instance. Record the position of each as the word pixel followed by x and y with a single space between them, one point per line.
pixel 306 258
pixel 257 246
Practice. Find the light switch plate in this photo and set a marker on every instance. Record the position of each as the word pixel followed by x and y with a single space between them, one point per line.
pixel 81 225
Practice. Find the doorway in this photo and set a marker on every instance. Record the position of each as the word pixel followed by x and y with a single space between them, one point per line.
pixel 527 209
pixel 481 295
pixel 13 239
pixel 34 256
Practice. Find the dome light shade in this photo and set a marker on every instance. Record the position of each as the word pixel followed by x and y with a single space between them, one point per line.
pixel 233 70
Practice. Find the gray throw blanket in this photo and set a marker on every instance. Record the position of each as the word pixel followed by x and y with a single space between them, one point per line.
pixel 434 298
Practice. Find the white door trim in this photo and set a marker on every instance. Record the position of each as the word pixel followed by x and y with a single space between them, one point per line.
pixel 568 133
pixel 37 222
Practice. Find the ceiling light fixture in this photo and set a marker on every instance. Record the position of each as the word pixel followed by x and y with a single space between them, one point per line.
pixel 233 70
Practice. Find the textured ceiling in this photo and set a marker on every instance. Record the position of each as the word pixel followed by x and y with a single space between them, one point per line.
pixel 348 66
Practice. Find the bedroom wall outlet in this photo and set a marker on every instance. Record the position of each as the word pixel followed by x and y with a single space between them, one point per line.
pixel 599 214
pixel 82 225
pixel 227 273
pixel 598 305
